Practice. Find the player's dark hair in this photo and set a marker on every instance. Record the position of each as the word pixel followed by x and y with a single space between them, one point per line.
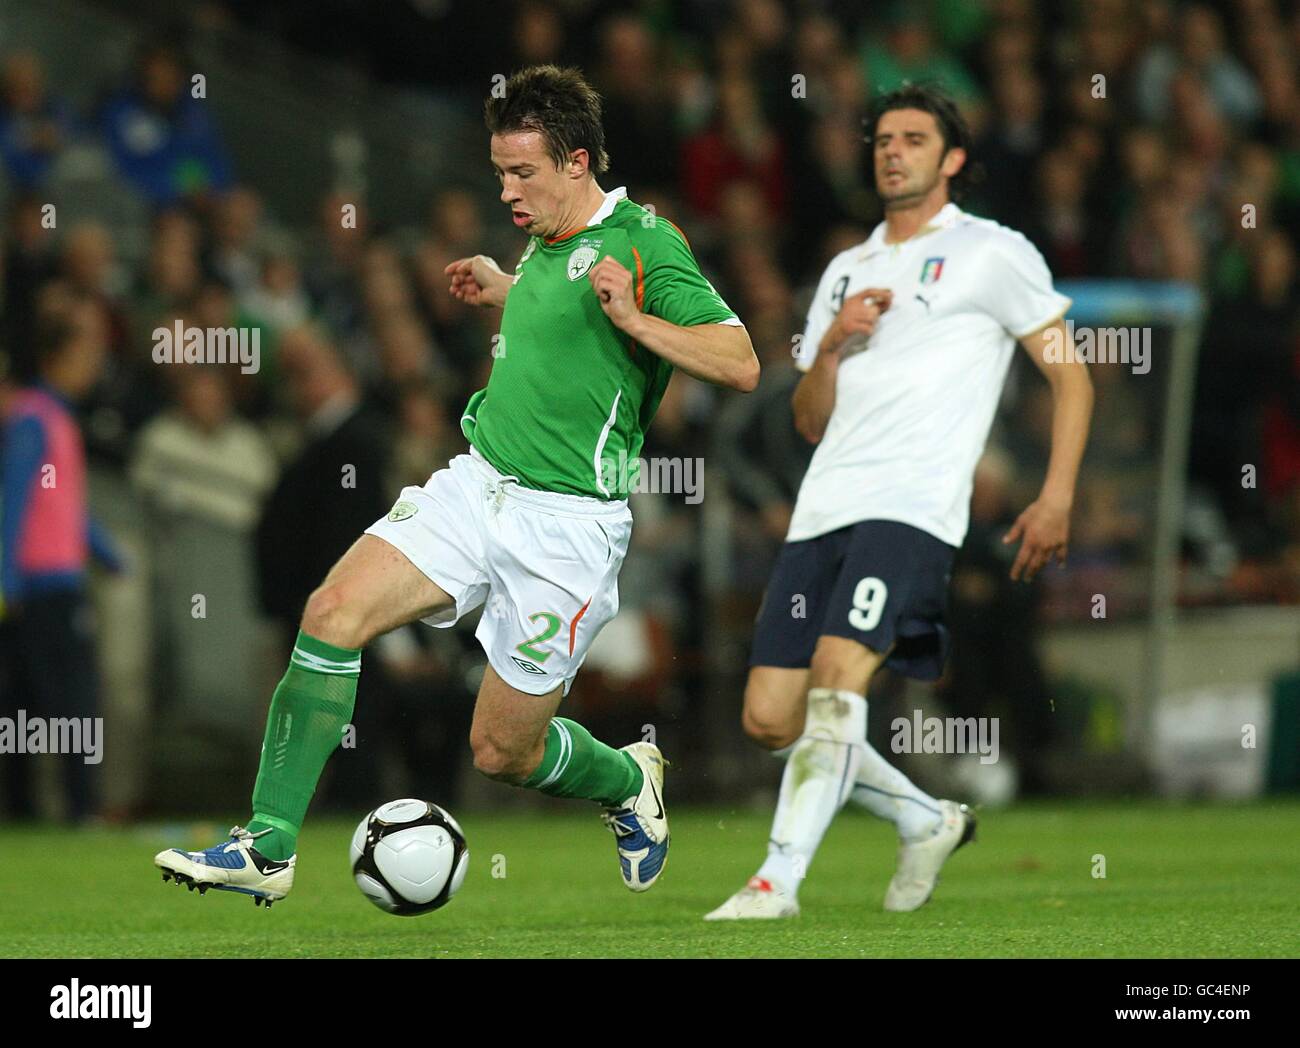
pixel 557 103
pixel 929 98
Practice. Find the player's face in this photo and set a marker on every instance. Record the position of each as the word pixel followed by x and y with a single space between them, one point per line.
pixel 910 159
pixel 537 193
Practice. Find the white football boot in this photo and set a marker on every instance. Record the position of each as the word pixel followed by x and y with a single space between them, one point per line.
pixel 759 900
pixel 235 865
pixel 641 824
pixel 919 862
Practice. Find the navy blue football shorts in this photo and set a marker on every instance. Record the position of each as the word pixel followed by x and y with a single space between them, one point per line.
pixel 879 582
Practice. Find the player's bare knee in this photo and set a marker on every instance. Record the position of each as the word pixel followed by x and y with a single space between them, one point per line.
pixel 332 617
pixel 770 732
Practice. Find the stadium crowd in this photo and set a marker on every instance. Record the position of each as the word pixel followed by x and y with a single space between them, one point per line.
pixel 1127 139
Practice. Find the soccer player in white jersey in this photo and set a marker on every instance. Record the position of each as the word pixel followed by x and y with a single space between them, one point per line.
pixel 906 348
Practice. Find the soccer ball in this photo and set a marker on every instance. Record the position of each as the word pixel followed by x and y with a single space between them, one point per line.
pixel 409 857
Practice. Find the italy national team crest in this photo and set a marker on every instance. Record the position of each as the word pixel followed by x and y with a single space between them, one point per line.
pixel 580 261
pixel 932 270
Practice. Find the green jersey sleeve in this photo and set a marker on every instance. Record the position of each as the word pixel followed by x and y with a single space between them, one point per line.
pixel 675 289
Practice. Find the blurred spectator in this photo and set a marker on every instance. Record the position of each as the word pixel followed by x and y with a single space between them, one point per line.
pixel 907 50
pixel 236 224
pixel 1199 53
pixel 1015 137
pixel 638 109
pixel 334 488
pixel 34 125
pixel 406 358
pixel 90 266
pixel 277 299
pixel 456 230
pixel 161 136
pixel 48 537
pixel 1060 223
pixel 427 438
pixel 30 259
pixel 739 144
pixel 335 249
pixel 200 458
pixel 172 274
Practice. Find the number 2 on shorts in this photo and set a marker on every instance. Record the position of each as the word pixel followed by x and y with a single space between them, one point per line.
pixel 869 597
pixel 529 648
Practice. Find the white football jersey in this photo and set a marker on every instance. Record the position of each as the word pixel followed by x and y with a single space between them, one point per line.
pixel 914 403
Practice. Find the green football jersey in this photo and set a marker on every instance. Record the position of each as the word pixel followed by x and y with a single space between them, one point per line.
pixel 570 396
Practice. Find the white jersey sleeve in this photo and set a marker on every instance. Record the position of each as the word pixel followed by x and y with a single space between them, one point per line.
pixel 1018 291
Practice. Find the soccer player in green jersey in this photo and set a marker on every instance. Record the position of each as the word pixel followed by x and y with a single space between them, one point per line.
pixel 533 522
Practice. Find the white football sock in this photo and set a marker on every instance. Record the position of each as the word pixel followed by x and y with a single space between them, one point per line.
pixel 885 791
pixel 819 774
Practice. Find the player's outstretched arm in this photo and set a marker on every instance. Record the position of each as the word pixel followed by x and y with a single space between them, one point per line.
pixel 479 281
pixel 717 353
pixel 1044 527
pixel 814 397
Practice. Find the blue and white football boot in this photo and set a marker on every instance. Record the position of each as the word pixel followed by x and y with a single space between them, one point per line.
pixel 232 866
pixel 641 824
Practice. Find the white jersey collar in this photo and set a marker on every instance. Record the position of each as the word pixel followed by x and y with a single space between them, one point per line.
pixel 945 218
pixel 607 205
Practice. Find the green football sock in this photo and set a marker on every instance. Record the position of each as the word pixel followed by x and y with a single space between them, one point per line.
pixel 310 709
pixel 577 765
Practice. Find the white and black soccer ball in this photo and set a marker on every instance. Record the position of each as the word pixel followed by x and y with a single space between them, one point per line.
pixel 409 857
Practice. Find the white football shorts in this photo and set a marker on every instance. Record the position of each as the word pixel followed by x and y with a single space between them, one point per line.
pixel 544 564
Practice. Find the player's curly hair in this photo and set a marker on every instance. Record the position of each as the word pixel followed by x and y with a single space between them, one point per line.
pixel 557 103
pixel 932 99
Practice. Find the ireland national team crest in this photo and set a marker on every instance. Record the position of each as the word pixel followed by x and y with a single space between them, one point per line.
pixel 931 271
pixel 580 261
pixel 402 510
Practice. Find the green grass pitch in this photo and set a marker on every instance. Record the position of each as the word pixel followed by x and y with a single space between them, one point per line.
pixel 1180 881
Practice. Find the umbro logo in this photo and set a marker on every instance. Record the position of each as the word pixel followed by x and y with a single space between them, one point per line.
pixel 528 667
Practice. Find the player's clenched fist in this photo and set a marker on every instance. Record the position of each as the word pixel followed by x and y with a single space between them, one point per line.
pixel 861 310
pixel 612 283
pixel 857 317
pixel 478 281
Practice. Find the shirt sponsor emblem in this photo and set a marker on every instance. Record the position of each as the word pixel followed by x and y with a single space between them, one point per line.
pixel 932 270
